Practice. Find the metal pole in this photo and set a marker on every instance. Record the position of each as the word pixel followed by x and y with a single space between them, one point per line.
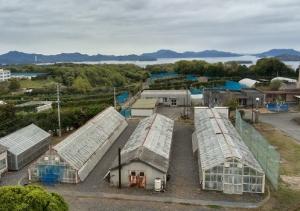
pixel 115 103
pixel 252 109
pixel 119 168
pixel 58 111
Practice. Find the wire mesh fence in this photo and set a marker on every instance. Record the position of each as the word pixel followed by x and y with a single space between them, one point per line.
pixel 265 153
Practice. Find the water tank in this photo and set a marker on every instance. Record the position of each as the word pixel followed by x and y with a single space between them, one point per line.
pixel 157 184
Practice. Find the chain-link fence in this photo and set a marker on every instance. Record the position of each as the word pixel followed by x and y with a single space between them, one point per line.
pixel 265 153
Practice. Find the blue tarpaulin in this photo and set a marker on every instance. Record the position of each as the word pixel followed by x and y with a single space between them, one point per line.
pixel 163 75
pixel 191 77
pixel 277 107
pixel 232 86
pixel 122 98
pixel 195 91
pixel 126 112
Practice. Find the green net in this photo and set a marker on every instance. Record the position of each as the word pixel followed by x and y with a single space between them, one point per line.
pixel 265 153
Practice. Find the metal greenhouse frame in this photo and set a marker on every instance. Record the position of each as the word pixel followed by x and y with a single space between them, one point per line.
pixel 25 145
pixel 75 157
pixel 225 162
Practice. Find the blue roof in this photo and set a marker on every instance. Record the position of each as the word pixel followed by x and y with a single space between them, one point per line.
pixel 233 86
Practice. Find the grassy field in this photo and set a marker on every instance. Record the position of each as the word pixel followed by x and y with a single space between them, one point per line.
pixel 36 83
pixel 285 198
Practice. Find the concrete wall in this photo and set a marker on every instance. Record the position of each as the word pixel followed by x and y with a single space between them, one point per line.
pixel 149 172
pixel 3 156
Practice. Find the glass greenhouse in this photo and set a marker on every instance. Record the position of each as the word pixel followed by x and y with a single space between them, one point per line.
pixel 25 145
pixel 225 162
pixel 75 157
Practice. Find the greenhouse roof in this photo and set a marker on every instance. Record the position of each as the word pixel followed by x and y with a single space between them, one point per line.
pixel 24 139
pixel 150 143
pixel 218 140
pixel 81 145
pixel 248 82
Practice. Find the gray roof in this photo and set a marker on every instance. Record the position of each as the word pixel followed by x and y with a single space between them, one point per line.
pixel 79 149
pixel 150 143
pixel 23 139
pixel 218 140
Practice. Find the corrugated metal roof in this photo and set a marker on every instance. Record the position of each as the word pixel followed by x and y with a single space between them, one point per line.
pixel 78 148
pixel 219 140
pixel 23 139
pixel 150 143
pixel 145 104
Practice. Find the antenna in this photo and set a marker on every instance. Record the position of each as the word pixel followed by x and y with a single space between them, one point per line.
pixel 58 111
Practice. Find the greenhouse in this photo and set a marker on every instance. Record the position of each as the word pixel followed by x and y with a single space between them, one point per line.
pixel 146 156
pixel 225 162
pixel 75 157
pixel 25 145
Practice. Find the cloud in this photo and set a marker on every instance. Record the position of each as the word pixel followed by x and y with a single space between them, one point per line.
pixel 135 26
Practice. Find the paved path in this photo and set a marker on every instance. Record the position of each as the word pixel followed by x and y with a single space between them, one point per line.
pixel 284 122
pixel 195 202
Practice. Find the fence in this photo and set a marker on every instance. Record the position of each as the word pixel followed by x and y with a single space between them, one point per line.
pixel 277 107
pixel 265 153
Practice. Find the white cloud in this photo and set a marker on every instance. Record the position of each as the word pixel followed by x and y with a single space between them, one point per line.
pixel 135 26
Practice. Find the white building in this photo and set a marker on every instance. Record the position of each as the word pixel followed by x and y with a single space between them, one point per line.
pixel 4 75
pixel 3 160
pixel 225 162
pixel 143 107
pixel 146 156
pixel 73 159
pixel 169 97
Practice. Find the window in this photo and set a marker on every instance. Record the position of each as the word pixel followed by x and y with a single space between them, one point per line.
pixel 132 173
pixel 2 164
pixel 142 174
pixel 165 99
pixel 173 102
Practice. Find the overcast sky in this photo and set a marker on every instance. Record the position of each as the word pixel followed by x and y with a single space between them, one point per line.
pixel 136 26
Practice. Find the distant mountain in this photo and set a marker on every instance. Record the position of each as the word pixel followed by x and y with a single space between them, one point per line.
pixel 278 52
pixel 190 54
pixel 15 57
pixel 286 57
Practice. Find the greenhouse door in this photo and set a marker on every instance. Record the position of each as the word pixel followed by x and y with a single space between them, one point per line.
pixel 233 184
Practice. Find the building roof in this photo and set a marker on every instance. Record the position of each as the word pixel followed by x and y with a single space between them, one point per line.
pixel 145 103
pixel 248 82
pixel 166 92
pixel 23 139
pixel 217 140
pixel 2 149
pixel 150 143
pixel 289 80
pixel 78 148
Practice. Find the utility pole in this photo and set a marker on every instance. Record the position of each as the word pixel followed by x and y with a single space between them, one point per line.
pixel 115 102
pixel 58 111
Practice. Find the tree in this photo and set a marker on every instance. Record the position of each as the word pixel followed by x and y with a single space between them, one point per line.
pixel 7 112
pixel 30 198
pixel 275 85
pixel 14 85
pixel 81 84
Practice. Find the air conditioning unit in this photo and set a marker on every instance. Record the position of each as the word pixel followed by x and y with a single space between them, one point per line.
pixel 46 158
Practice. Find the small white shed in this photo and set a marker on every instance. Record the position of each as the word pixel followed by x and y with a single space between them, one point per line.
pixel 144 107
